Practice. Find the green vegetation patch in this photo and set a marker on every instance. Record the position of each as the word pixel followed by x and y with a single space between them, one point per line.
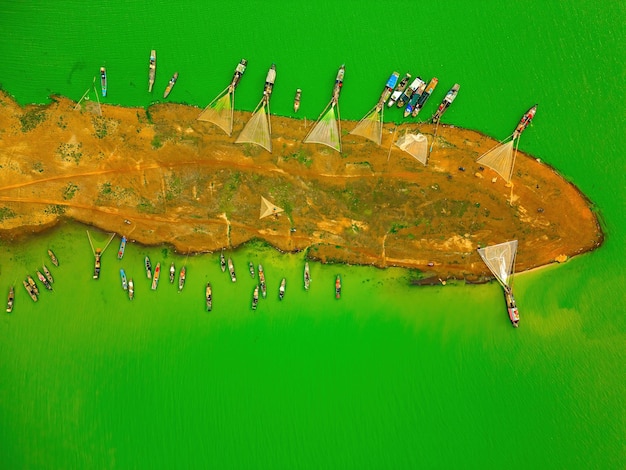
pixel 70 191
pixel 6 213
pixel 32 118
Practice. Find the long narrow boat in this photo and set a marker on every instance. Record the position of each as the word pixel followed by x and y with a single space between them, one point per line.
pixel 96 264
pixel 231 270
pixel 172 273
pixel 281 289
pixel 255 297
pixel 30 291
pixel 103 80
pixel 170 85
pixel 44 281
pixel 525 121
pixel 445 104
pixel 414 98
pixel 148 267
pixel 124 281
pixel 10 299
pixel 338 287
pixel 296 100
pixel 155 277
pixel 209 297
pixel 399 90
pixel 120 252
pixel 48 274
pixel 307 276
pixel 53 258
pixel 181 278
pixel 251 269
pixel 262 281
pixel 152 70
pixel 33 284
pixel 222 261
pixel 131 289
pixel 424 97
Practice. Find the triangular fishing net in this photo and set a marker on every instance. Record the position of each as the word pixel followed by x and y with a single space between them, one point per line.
pixel 267 208
pixel 326 131
pixel 220 111
pixel 90 101
pixel 415 145
pixel 500 159
pixel 257 130
pixel 500 259
pixel 371 126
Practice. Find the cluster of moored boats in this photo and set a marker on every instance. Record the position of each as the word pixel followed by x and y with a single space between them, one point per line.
pixel 45 277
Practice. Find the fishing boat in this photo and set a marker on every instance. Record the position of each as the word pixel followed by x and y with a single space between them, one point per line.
pixel 307 276
pixel 120 252
pixel 408 92
pixel 338 85
pixel 296 100
pixel 103 80
pixel 124 281
pixel 148 268
pixel 131 289
pixel 445 104
pixel 262 281
pixel 281 289
pixel 399 90
pixel 231 270
pixel 251 269
pixel 10 299
pixel 239 71
pixel 32 284
pixel 222 261
pixel 389 87
pixel 48 274
pixel 44 281
pixel 209 297
pixel 424 96
pixel 338 287
pixel 53 258
pixel 96 264
pixel 170 85
pixel 152 70
pixel 414 98
pixel 525 122
pixel 30 291
pixel 255 297
pixel 172 273
pixel 500 259
pixel 155 277
pixel 181 278
pixel 269 83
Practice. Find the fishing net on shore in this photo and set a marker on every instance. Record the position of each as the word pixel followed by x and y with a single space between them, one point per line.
pixel 501 159
pixel 220 111
pixel 371 126
pixel 267 208
pixel 500 259
pixel 258 129
pixel 415 145
pixel 90 101
pixel 327 130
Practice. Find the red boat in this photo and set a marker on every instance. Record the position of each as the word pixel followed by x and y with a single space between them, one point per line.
pixel 338 287
pixel 524 122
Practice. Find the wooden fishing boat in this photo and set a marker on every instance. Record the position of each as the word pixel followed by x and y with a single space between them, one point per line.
pixel 103 80
pixel 10 299
pixel 120 252
pixel 296 101
pixel 96 265
pixel 170 85
pixel 172 273
pixel 281 289
pixel 124 281
pixel 131 289
pixel 48 275
pixel 307 276
pixel 251 269
pixel 255 297
pixel 209 297
pixel 152 70
pixel 30 291
pixel 53 258
pixel 338 287
pixel 222 261
pixel 44 281
pixel 181 278
pixel 148 268
pixel 231 270
pixel 32 284
pixel 262 281
pixel 155 277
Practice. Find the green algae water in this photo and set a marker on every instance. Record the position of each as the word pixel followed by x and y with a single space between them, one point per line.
pixel 390 376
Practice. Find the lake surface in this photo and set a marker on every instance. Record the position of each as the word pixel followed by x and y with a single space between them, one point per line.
pixel 390 376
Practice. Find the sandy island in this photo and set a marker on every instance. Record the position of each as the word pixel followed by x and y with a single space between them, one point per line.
pixel 184 182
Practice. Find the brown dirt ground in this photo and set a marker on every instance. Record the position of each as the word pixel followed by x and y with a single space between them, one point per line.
pixel 184 182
